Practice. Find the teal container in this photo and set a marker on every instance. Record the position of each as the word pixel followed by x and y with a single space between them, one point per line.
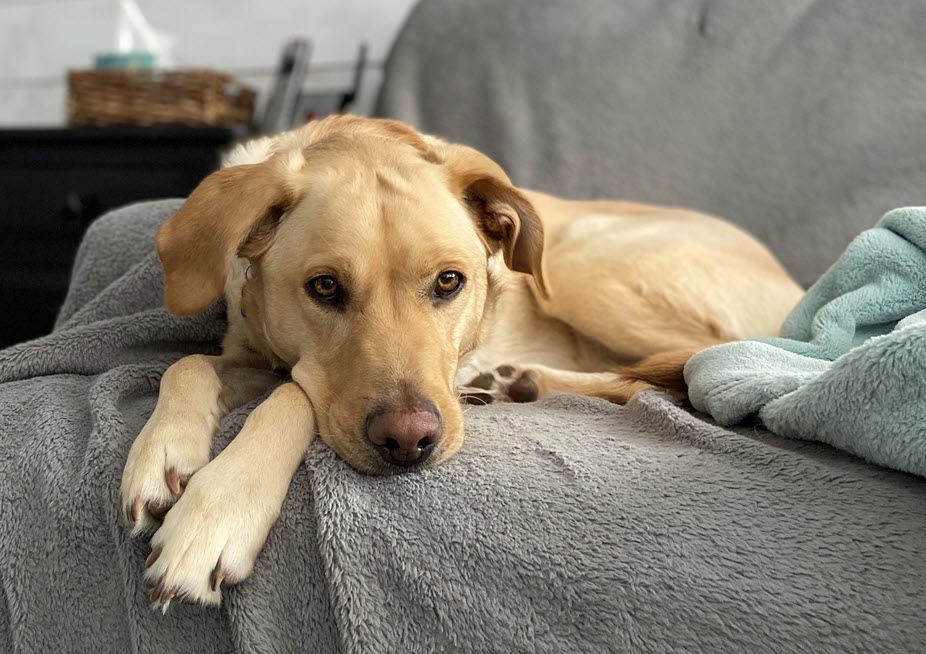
pixel 125 60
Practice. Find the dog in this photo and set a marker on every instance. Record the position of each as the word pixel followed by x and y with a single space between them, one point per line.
pixel 375 277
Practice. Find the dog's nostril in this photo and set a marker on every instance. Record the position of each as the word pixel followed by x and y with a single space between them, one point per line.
pixel 404 436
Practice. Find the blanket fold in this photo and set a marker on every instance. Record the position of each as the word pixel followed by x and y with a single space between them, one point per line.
pixel 566 525
pixel 850 366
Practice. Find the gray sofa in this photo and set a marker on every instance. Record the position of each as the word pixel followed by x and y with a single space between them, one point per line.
pixel 570 525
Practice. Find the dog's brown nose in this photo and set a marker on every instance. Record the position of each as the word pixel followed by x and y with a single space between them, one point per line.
pixel 405 435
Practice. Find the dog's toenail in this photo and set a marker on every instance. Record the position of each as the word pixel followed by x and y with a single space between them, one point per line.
pixel 155 553
pixel 157 591
pixel 173 481
pixel 136 509
pixel 217 576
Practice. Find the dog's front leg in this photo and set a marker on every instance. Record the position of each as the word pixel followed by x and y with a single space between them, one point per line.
pixel 217 528
pixel 196 392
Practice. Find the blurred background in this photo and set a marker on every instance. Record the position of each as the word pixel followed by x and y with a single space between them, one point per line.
pixel 40 40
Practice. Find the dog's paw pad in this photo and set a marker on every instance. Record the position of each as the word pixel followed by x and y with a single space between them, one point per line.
pixel 524 388
pixel 484 381
pixel 505 371
pixel 506 383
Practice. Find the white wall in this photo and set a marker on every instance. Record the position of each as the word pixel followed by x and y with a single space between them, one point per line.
pixel 41 39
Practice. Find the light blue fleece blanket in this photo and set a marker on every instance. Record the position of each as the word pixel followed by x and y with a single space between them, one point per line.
pixel 850 366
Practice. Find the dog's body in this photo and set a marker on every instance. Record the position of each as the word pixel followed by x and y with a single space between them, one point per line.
pixel 643 280
pixel 388 272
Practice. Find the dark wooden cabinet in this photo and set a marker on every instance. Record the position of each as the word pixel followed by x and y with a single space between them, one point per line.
pixel 54 182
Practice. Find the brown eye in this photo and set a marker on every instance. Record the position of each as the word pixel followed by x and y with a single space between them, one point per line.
pixel 448 283
pixel 324 288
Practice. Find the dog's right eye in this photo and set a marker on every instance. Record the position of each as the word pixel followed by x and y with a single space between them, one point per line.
pixel 324 288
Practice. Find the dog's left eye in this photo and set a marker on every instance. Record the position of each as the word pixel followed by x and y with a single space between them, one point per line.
pixel 448 283
pixel 324 288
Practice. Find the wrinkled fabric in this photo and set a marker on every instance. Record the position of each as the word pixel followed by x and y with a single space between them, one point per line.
pixel 568 525
pixel 850 366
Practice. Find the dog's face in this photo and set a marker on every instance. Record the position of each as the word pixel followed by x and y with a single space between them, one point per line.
pixel 374 287
pixel 370 249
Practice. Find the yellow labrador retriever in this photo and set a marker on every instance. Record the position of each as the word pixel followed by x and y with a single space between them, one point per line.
pixel 386 275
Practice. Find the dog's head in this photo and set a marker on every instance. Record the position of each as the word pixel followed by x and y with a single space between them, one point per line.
pixel 370 248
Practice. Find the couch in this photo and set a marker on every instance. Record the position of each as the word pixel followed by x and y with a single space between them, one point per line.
pixel 568 525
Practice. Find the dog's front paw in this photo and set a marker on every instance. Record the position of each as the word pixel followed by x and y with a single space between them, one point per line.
pixel 211 537
pixel 165 455
pixel 506 383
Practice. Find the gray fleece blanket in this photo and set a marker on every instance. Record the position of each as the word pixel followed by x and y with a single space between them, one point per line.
pixel 570 525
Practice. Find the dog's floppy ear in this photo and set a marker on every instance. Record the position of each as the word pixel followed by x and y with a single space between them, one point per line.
pixel 197 243
pixel 506 218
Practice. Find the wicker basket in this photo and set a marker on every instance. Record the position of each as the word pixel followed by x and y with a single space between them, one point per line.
pixel 145 97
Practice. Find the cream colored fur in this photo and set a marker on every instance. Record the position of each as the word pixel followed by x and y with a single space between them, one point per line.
pixel 600 298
